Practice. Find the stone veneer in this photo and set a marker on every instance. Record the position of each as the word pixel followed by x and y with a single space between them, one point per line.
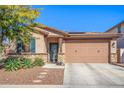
pixel 113 51
pixel 61 57
pixel 113 57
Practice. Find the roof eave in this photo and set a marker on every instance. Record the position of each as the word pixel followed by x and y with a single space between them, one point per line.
pixel 96 36
pixel 35 29
pixel 52 29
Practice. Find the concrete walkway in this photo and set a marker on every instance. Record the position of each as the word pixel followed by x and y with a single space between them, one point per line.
pixel 93 75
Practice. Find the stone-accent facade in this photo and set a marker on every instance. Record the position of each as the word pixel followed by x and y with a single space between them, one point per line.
pixel 61 58
pixel 113 51
pixel 42 42
pixel 113 57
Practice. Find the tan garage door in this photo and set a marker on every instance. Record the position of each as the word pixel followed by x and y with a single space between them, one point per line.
pixel 86 52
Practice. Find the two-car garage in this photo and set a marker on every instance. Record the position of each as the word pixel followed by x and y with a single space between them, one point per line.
pixel 86 51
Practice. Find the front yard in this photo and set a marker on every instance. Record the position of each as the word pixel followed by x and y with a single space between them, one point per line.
pixel 33 76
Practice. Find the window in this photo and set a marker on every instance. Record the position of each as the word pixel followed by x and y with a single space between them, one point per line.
pixel 21 47
pixel 32 45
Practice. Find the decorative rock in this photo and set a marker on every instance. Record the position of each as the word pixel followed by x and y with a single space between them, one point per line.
pixel 41 77
pixel 43 73
pixel 37 81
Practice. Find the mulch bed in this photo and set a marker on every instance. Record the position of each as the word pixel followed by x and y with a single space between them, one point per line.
pixel 33 76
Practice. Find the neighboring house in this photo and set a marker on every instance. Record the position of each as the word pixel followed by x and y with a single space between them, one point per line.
pixel 119 28
pixel 74 47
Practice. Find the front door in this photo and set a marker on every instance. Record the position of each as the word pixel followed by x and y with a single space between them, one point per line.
pixel 53 52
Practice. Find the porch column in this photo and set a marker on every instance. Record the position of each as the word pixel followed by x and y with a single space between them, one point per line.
pixel 60 45
pixel 113 51
pixel 60 51
pixel 46 54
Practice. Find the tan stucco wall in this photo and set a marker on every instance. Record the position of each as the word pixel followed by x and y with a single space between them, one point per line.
pixel 40 43
pixel 61 54
pixel 41 46
pixel 52 40
pixel 63 46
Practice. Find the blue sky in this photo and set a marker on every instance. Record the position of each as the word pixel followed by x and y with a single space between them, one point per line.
pixel 83 18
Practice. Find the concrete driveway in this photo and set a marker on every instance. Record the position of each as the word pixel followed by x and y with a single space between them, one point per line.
pixel 93 75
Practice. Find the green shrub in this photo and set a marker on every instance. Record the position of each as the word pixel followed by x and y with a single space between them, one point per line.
pixel 27 63
pixel 2 61
pixel 15 63
pixel 1 50
pixel 12 64
pixel 38 62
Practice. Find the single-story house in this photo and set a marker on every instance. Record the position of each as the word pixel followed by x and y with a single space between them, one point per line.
pixel 53 45
pixel 119 28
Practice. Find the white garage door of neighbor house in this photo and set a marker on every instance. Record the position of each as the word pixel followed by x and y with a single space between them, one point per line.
pixel 86 52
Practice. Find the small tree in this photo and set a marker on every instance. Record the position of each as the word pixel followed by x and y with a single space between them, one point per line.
pixel 14 22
